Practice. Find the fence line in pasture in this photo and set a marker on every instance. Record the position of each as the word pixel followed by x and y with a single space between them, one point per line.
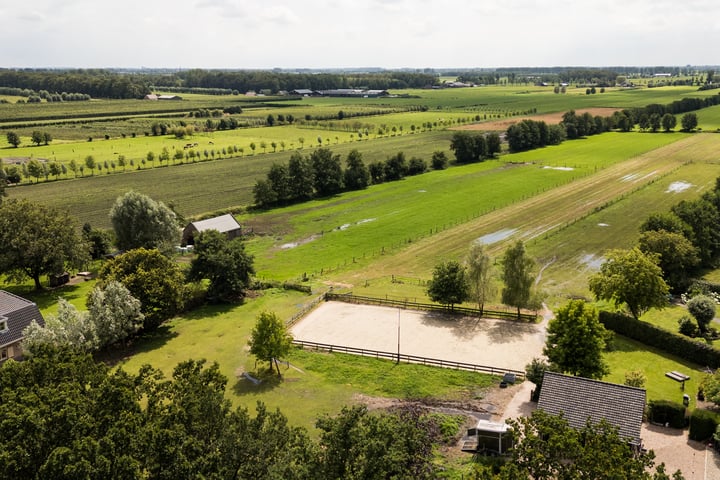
pixel 435 362
pixel 429 307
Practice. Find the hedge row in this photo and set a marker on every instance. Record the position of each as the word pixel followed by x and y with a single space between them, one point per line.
pixel 667 412
pixel 703 424
pixel 687 348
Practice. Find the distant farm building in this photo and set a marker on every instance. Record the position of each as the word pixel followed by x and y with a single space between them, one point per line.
pixel 16 314
pixel 152 96
pixel 581 399
pixel 224 224
pixel 341 92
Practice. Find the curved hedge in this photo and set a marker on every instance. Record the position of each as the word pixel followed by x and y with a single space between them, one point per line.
pixel 686 348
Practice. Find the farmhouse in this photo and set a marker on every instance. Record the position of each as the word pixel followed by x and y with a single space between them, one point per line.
pixel 224 224
pixel 580 399
pixel 16 314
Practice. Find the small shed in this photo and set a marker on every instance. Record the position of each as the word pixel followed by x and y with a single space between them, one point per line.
pixel 16 314
pixel 224 224
pixel 582 399
pixel 488 437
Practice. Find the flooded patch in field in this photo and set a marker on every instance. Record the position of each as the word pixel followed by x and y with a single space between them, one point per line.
pixel 422 191
pixel 366 220
pixel 677 187
pixel 495 237
pixel 603 225
pixel 630 177
pixel 592 261
pixel 564 169
pixel 287 246
pixel 342 227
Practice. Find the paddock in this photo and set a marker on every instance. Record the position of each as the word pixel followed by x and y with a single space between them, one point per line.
pixel 497 343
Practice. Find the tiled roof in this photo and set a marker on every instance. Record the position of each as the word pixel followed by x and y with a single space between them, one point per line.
pixel 18 313
pixel 581 398
pixel 223 223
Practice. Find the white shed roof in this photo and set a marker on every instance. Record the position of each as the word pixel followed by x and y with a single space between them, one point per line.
pixel 223 223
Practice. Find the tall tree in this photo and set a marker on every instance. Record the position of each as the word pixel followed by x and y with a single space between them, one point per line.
pixel 703 217
pixel 480 274
pixel 357 175
pixel 517 275
pixel 449 284
pixel 279 180
pixel 677 256
pixel 300 172
pixel 547 448
pixel 668 122
pixel 13 139
pixel 153 279
pixel 223 262
pixel 327 172
pixel 631 278
pixel 38 240
pixel 689 121
pixel 270 339
pixel 576 340
pixel 115 313
pixel 141 222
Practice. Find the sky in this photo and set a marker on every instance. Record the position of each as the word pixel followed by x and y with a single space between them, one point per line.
pixel 252 34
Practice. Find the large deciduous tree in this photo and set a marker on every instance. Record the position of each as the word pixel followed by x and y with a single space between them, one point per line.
pixel 703 217
pixel 631 278
pixel 480 275
pixel 13 139
pixel 678 257
pixel 547 448
pixel 37 240
pixel 576 340
pixel 300 172
pixel 517 275
pixel 153 279
pixel 270 339
pixel 449 284
pixel 357 175
pixel 223 262
pixel 115 313
pixel 689 121
pixel 141 222
pixel 327 172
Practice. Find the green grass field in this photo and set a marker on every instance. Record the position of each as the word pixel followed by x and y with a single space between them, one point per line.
pixel 569 203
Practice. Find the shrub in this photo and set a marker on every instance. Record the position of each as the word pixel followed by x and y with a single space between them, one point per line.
pixel 667 412
pixel 688 327
pixel 635 378
pixel 703 424
pixel 686 348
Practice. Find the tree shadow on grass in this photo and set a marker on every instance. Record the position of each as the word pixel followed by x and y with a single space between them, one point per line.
pixel 144 343
pixel 269 380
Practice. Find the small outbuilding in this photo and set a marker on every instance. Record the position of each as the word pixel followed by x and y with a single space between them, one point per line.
pixel 16 314
pixel 581 399
pixel 224 224
pixel 488 437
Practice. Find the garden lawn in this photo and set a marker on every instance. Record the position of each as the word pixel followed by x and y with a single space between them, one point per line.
pixel 628 355
pixel 325 383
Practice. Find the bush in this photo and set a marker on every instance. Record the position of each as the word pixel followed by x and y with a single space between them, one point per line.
pixel 703 424
pixel 667 412
pixel 686 348
pixel 688 327
pixel 635 378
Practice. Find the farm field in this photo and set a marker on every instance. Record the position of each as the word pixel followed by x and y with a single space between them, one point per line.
pixel 568 203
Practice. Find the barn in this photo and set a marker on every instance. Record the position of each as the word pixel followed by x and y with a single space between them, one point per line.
pixel 224 224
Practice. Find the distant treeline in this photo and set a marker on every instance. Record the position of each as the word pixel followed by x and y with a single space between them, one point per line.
pixel 110 84
pixel 579 76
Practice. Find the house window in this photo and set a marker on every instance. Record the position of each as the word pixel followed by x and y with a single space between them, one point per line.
pixel 3 354
pixel 3 325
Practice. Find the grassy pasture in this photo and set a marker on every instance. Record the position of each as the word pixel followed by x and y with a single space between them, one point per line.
pixel 457 205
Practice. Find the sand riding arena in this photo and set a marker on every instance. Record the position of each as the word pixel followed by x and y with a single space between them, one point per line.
pixel 501 344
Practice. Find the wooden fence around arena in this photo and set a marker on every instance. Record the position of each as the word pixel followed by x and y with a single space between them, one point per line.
pixel 435 362
pixel 429 307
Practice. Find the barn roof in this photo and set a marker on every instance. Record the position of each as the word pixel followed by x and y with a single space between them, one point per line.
pixel 580 399
pixel 16 314
pixel 223 223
